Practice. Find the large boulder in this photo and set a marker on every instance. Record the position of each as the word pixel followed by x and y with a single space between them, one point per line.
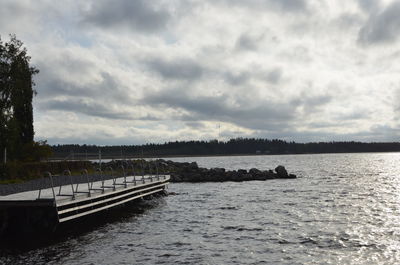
pixel 257 174
pixel 269 174
pixel 281 171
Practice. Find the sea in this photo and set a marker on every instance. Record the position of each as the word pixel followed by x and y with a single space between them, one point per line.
pixel 342 209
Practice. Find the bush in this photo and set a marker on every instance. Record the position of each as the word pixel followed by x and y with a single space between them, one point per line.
pixel 15 170
pixel 36 151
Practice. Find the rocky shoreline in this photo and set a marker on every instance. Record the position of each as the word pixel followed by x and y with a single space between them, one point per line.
pixel 179 172
pixel 191 172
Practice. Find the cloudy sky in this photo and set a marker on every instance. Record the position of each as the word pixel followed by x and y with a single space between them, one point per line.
pixel 139 71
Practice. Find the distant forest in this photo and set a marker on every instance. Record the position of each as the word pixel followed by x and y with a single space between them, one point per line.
pixel 238 146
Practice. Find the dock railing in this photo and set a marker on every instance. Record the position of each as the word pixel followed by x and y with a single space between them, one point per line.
pixel 151 172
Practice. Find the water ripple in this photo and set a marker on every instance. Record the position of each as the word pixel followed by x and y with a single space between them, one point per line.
pixel 345 209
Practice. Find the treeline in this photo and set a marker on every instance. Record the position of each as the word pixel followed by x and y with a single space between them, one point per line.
pixel 238 146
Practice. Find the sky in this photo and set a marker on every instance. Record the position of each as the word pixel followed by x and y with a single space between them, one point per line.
pixel 127 72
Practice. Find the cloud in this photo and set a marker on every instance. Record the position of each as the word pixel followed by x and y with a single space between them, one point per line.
pixel 274 76
pixel 247 42
pixel 248 112
pixel 179 68
pixel 236 79
pixel 195 125
pixel 87 107
pixel 369 5
pixel 292 6
pixel 383 27
pixel 139 15
pixel 170 70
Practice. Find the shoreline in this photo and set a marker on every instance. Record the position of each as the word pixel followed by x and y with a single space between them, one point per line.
pixel 105 157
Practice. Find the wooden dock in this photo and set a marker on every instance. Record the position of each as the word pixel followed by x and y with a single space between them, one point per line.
pixel 45 209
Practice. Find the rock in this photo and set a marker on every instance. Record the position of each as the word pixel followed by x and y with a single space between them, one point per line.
pixel 193 165
pixel 269 174
pixel 218 170
pixel 242 171
pixel 281 171
pixel 232 175
pixel 246 177
pixel 255 171
pixel 191 172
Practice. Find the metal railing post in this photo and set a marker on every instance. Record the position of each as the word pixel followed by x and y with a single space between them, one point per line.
pixel 70 179
pixel 112 175
pixel 47 173
pixel 84 172
pixel 158 176
pixel 143 180
pixel 150 173
pixel 133 172
pixel 124 174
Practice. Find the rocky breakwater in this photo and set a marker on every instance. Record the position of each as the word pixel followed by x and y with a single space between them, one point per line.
pixel 191 172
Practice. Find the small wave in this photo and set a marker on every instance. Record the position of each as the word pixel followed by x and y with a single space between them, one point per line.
pixel 242 228
pixel 178 244
pixel 167 255
pixel 290 204
pixel 228 208
pixel 250 229
pixel 289 190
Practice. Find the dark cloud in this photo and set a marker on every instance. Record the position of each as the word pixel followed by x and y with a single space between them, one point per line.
pixel 247 42
pixel 236 79
pixel 248 111
pixel 195 125
pixel 369 5
pixel 379 133
pixel 312 103
pixel 140 15
pixel 89 97
pixel 348 20
pixel 292 6
pixel 355 115
pixel 52 82
pixel 98 138
pixel 274 76
pixel 289 5
pixel 180 68
pixel 90 108
pixel 383 27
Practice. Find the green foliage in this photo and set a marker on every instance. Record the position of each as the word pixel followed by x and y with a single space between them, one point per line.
pixel 16 171
pixel 16 94
pixel 36 151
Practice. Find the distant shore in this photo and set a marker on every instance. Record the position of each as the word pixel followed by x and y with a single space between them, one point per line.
pixel 113 157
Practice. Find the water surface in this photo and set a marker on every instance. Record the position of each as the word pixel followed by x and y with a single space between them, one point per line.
pixel 343 209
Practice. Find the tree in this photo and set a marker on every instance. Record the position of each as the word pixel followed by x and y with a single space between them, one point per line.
pixel 16 94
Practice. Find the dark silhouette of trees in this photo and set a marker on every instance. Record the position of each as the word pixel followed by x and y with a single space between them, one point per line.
pixel 16 94
pixel 237 146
